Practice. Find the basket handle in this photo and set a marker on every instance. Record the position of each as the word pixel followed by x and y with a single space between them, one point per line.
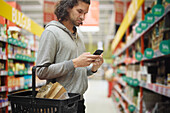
pixel 33 76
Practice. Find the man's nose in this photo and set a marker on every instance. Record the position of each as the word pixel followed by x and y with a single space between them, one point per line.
pixel 82 16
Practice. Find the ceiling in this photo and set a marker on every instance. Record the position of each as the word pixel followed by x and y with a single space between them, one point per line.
pixel 34 10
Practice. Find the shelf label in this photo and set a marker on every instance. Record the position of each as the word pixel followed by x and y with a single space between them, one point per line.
pixel 113 56
pixel 138 56
pixel 138 29
pixel 117 99
pixel 164 47
pixel 10 73
pixel 113 74
pixel 158 10
pixel 149 53
pixel 149 18
pixel 131 108
pixel 143 25
pixel 135 82
pixel 25 87
pixel 21 72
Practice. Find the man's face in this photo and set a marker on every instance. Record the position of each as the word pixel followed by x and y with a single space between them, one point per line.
pixel 77 13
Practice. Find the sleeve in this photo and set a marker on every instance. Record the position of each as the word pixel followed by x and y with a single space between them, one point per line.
pixel 46 54
pixel 89 72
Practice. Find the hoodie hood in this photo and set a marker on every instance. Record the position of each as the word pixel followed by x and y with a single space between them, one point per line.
pixel 61 26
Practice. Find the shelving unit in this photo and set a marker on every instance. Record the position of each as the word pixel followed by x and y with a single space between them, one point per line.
pixel 141 77
pixel 17 53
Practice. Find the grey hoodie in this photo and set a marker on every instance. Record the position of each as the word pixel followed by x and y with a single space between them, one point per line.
pixel 59 46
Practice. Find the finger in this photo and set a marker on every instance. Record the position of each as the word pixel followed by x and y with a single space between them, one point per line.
pixel 93 56
pixel 87 53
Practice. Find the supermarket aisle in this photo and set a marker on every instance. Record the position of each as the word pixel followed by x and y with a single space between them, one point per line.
pixel 96 98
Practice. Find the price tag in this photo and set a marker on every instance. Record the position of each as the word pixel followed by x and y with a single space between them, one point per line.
pixel 2 88
pixel 9 89
pixel 9 56
pixel 4 57
pixel 154 88
pixel 143 25
pixel 158 10
pixel 138 29
pixel 159 90
pixel 149 18
pixel 164 91
pixel 168 92
pixel 164 47
pixel 3 104
pixel 149 53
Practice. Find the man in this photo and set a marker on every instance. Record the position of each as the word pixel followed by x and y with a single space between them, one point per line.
pixel 61 46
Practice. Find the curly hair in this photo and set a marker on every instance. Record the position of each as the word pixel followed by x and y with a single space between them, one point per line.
pixel 63 5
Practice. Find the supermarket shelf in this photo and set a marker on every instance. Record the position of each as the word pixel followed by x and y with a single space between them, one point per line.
pixel 120 81
pixel 116 94
pixel 3 88
pixel 3 73
pixel 124 96
pixel 116 103
pixel 139 35
pixel 22 72
pixel 16 88
pixel 160 89
pixel 3 57
pixel 123 106
pixel 120 62
pixel 23 58
pixel 3 104
pixel 121 71
pixel 120 102
pixel 157 55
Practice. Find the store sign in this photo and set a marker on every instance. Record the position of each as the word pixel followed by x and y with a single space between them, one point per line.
pixel 138 29
pixel 92 17
pixel 19 18
pixel 143 25
pixel 138 56
pixel 149 18
pixel 130 15
pixel 149 53
pixel 119 11
pixel 49 8
pixel 164 47
pixel 158 10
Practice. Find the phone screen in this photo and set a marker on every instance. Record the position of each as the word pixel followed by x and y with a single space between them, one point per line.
pixel 98 52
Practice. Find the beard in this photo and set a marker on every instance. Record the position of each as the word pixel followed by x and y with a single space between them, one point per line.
pixel 75 23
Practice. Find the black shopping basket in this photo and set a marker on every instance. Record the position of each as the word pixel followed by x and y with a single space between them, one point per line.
pixel 26 102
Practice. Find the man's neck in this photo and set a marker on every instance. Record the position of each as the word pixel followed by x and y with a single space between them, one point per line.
pixel 68 25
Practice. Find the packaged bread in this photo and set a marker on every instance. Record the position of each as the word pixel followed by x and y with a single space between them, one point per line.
pixel 44 90
pixel 57 91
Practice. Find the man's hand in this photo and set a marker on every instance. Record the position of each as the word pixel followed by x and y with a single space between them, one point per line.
pixel 97 63
pixel 85 59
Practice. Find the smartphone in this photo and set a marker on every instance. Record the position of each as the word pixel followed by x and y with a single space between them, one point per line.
pixel 98 52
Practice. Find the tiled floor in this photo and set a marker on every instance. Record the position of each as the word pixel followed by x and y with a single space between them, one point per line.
pixel 96 99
